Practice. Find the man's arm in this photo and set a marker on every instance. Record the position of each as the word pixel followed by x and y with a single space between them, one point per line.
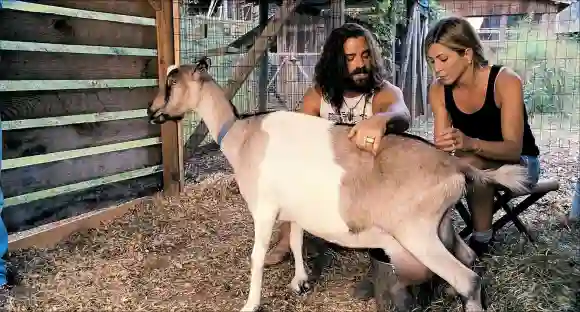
pixel 311 102
pixel 390 103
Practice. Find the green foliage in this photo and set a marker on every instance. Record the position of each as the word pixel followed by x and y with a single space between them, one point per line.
pixel 548 65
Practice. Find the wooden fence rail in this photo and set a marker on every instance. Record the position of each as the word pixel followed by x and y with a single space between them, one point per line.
pixel 76 78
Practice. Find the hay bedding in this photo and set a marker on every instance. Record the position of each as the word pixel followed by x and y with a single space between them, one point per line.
pixel 193 254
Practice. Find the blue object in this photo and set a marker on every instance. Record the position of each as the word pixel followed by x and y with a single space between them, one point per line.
pixel 3 232
pixel 575 212
pixel 423 3
pixel 224 130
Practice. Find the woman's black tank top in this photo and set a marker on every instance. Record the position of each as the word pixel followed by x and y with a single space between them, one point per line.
pixel 485 124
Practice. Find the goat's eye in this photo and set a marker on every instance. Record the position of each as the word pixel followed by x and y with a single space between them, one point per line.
pixel 172 82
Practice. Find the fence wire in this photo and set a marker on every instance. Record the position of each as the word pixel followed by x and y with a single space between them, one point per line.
pixel 543 47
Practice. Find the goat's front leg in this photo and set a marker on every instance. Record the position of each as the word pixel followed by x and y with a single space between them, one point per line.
pixel 299 283
pixel 424 243
pixel 264 215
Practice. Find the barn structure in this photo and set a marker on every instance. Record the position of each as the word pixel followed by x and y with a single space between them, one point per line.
pixel 75 81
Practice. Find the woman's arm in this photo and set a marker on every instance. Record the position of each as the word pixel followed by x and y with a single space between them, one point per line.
pixel 509 90
pixel 437 100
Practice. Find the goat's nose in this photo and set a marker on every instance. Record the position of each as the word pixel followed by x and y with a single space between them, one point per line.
pixel 150 112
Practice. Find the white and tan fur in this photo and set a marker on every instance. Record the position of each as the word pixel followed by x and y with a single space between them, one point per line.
pixel 303 169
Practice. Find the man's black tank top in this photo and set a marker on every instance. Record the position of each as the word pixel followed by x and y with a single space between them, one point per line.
pixel 485 124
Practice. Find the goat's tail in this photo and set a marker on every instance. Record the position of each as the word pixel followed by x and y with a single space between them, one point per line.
pixel 513 177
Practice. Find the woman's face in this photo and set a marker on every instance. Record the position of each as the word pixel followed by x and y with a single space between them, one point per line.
pixel 447 64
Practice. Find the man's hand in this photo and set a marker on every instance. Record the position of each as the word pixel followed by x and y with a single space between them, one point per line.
pixel 367 134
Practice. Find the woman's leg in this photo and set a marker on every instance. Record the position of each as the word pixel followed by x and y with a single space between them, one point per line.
pixel 480 203
pixel 282 249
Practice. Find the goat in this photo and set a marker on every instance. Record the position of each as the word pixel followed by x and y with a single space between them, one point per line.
pixel 304 169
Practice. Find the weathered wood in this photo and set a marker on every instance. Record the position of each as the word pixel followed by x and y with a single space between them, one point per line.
pixel 26 105
pixel 127 7
pixel 23 65
pixel 48 235
pixel 35 178
pixel 171 132
pixel 72 119
pixel 26 216
pixel 243 69
pixel 73 48
pixel 49 28
pixel 43 85
pixel 25 6
pixel 37 158
pixel 499 7
pixel 29 142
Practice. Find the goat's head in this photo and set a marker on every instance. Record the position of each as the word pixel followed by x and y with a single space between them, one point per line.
pixel 181 92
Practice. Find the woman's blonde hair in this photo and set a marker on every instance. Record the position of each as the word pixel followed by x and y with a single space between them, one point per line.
pixel 457 34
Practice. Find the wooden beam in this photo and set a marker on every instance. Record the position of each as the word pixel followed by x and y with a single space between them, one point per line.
pixel 48 235
pixel 171 131
pixel 86 14
pixel 245 67
pixel 80 186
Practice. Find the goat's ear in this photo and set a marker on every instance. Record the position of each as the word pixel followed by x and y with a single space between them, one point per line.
pixel 171 68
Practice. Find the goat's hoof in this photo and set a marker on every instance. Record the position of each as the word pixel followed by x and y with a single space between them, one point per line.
pixel 450 291
pixel 251 308
pixel 300 287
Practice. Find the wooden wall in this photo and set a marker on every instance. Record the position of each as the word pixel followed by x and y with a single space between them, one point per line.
pixel 499 7
pixel 76 78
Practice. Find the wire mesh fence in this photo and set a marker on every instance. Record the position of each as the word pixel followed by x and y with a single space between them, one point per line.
pixel 541 43
pixel 538 40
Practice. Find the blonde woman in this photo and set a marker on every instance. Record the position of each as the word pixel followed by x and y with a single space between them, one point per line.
pixel 479 114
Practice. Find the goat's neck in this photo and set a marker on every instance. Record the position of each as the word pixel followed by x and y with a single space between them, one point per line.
pixel 216 111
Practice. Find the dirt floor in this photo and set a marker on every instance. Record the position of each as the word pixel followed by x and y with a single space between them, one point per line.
pixel 193 254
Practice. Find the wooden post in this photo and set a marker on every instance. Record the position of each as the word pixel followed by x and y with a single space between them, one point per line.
pixel 263 77
pixel 246 65
pixel 171 131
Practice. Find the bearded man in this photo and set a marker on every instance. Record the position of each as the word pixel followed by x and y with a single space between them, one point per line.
pixel 350 88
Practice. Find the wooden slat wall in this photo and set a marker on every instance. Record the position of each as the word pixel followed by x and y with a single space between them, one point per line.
pixel 97 177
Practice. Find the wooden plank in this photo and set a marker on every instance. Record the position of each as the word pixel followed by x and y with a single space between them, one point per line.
pixel 64 155
pixel 73 48
pixel 33 179
pixel 75 187
pixel 243 69
pixel 72 120
pixel 41 104
pixel 24 65
pixel 125 7
pixel 43 85
pixel 50 234
pixel 171 132
pixel 498 7
pixel 41 8
pixel 49 28
pixel 40 141
pixel 37 213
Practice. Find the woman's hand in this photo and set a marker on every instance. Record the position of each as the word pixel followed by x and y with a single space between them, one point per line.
pixel 367 134
pixel 452 139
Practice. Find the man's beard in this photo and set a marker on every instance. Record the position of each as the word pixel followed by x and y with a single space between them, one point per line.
pixel 360 85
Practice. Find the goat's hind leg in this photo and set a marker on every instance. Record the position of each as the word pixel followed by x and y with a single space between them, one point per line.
pixel 264 215
pixel 426 246
pixel 299 283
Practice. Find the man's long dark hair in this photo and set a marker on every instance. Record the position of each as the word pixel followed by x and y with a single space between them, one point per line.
pixel 331 70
